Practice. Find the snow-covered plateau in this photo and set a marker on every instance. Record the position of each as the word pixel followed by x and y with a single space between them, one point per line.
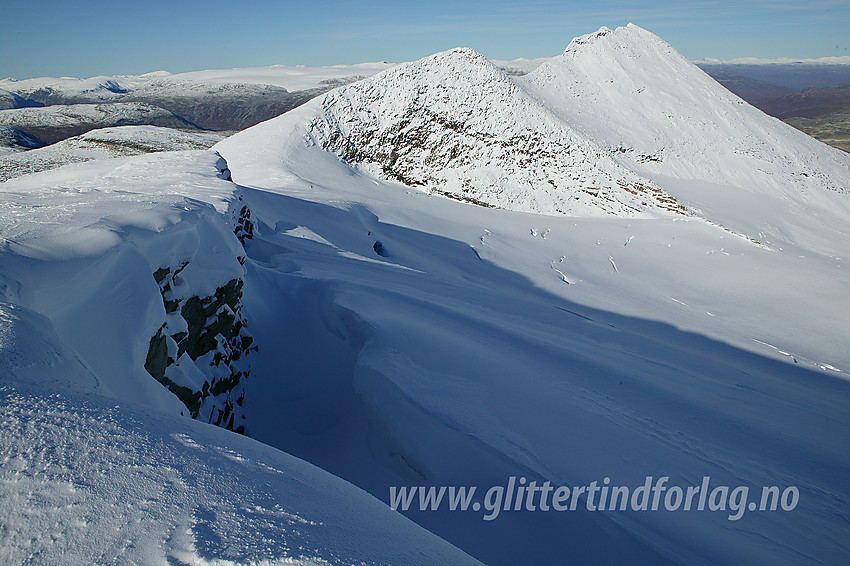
pixel 440 275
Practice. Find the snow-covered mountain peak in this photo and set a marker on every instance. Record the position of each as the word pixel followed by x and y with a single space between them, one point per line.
pixel 586 38
pixel 456 54
pixel 664 118
pixel 456 124
pixel 630 38
pixel 629 49
pixel 457 69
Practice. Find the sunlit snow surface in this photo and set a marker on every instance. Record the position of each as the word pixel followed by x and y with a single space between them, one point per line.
pixel 470 345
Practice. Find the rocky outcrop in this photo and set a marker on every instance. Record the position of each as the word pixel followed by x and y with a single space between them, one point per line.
pixel 240 218
pixel 200 352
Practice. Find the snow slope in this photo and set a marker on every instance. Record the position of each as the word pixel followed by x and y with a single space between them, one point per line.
pixel 521 66
pixel 565 355
pixel 53 123
pixel 669 121
pixel 11 100
pixel 85 479
pixel 13 140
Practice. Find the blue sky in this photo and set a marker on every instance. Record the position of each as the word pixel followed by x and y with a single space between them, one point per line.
pixel 88 38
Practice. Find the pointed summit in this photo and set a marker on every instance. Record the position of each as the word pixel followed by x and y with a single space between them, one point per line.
pixel 456 124
pixel 454 68
pixel 664 118
pixel 630 41
pixel 457 53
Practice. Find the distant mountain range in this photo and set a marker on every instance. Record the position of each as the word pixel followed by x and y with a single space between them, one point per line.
pixel 814 98
pixel 234 99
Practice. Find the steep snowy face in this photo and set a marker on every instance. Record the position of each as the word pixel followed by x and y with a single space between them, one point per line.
pixel 455 124
pixel 662 116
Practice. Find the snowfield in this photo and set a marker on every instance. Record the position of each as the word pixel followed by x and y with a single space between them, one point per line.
pixel 87 480
pixel 688 318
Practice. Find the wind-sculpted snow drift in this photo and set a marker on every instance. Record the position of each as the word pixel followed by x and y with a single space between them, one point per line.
pixel 139 253
pixel 663 317
pixel 116 275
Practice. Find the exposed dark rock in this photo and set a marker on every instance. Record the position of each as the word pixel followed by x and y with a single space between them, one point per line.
pixel 206 334
pixel 242 222
pixel 157 358
pixel 215 341
pixel 160 274
pixel 157 362
pixel 379 249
